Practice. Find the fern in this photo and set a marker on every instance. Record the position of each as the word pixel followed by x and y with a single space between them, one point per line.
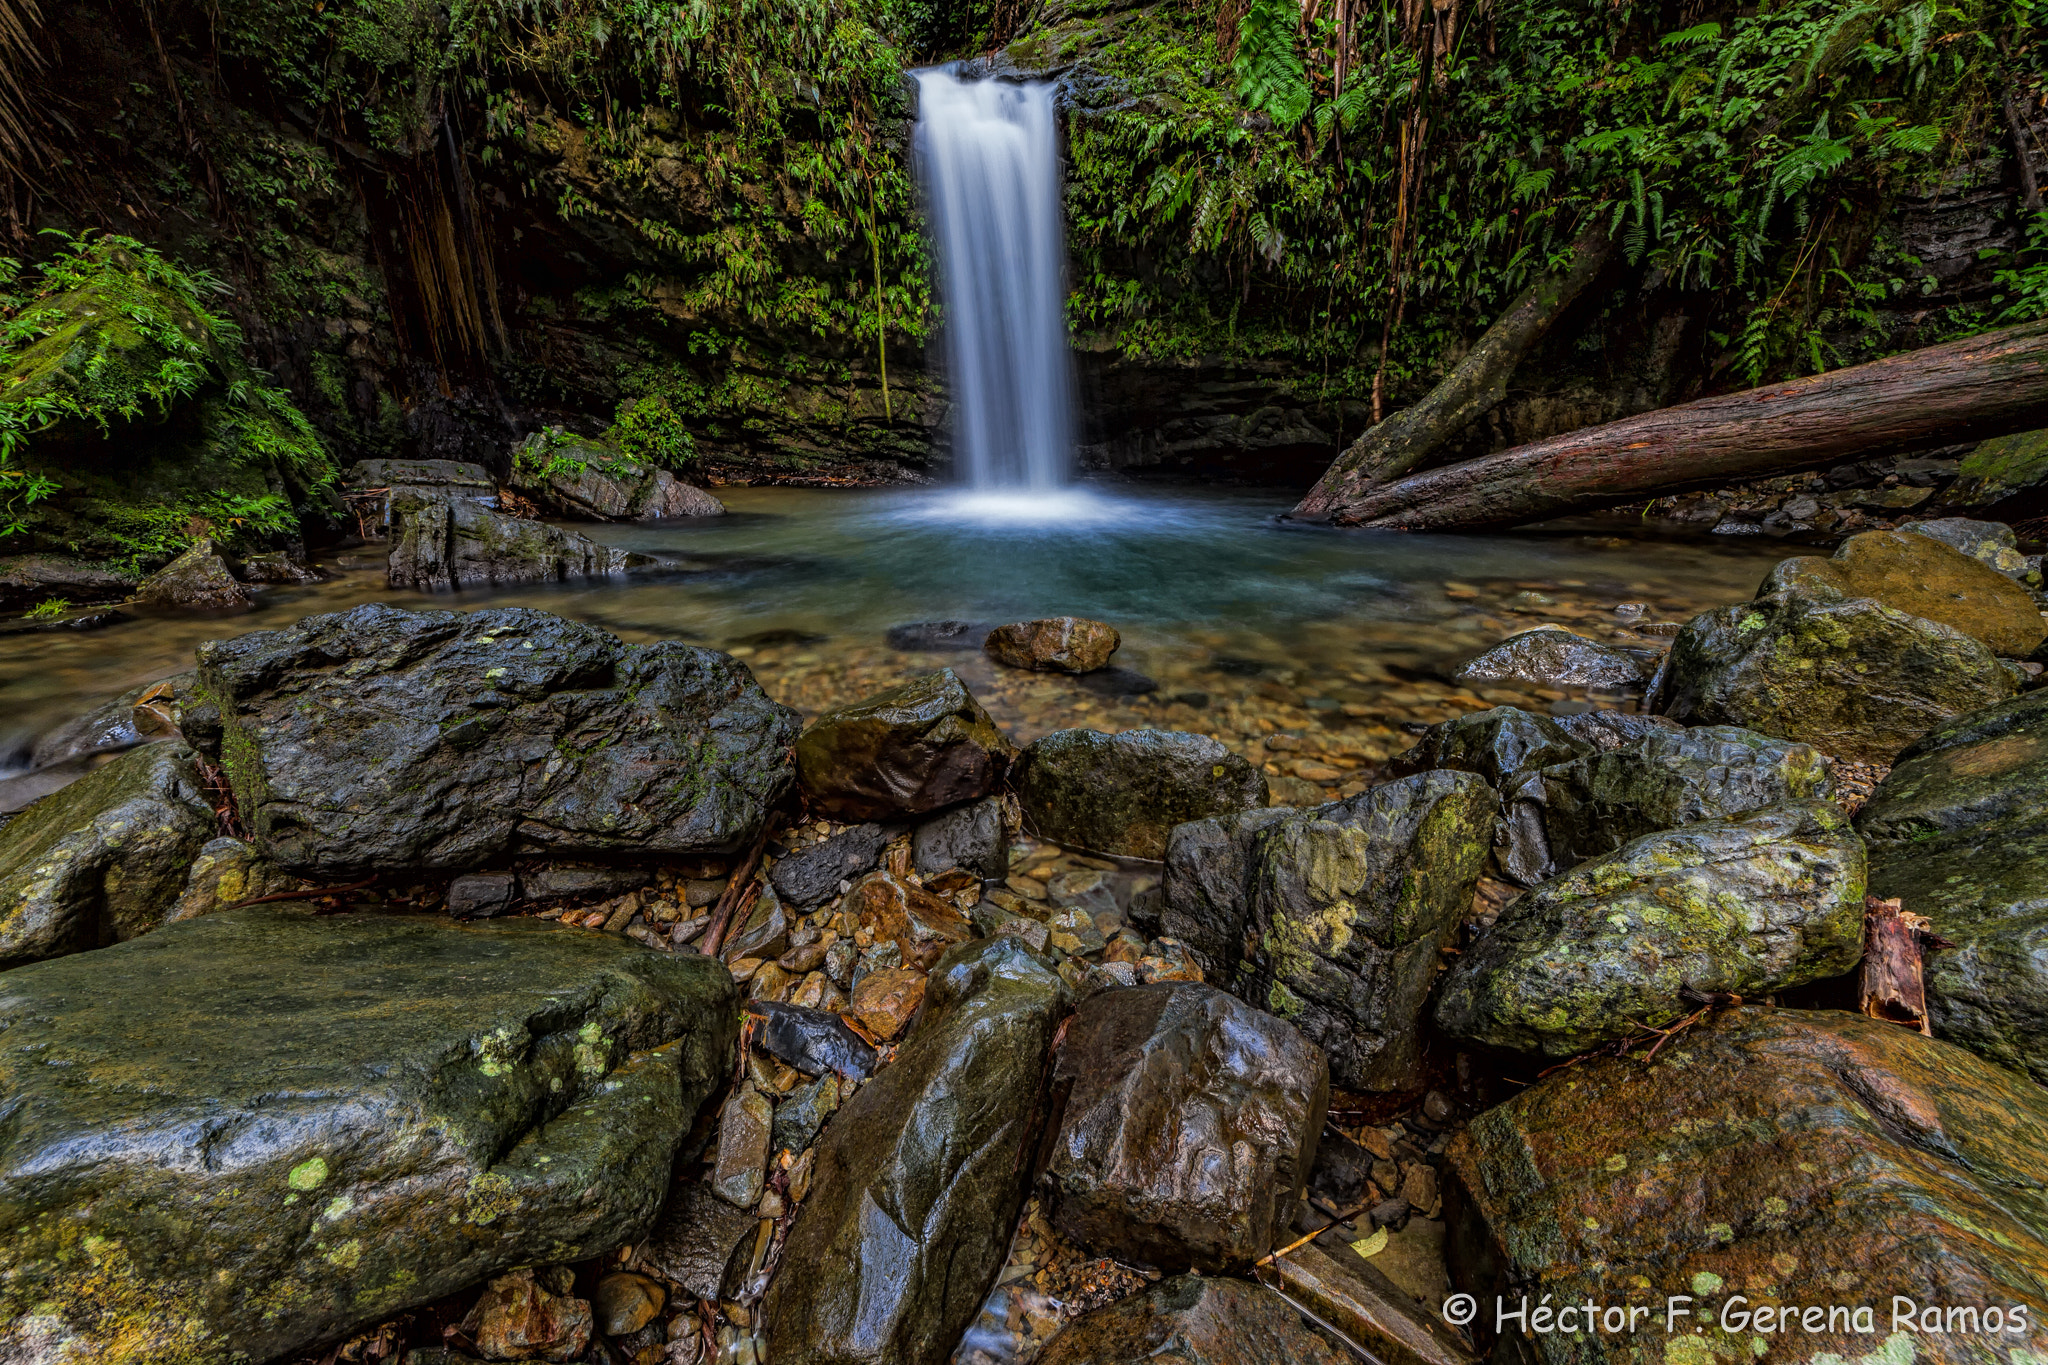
pixel 1269 72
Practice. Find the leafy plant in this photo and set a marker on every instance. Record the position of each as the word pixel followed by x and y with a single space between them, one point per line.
pixel 647 429
pixel 49 609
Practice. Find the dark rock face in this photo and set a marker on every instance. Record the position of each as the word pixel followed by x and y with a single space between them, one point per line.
pixel 915 748
pixel 196 580
pixel 1853 678
pixel 1767 901
pixel 970 838
pixel 278 566
pixel 1922 576
pixel 1502 745
pixel 402 1107
pixel 918 1180
pixel 1612 729
pixel 1195 1321
pixel 1959 831
pixel 812 1041
pixel 26 580
pixel 1189 1127
pixel 1123 794
pixel 938 636
pixel 693 1239
pixel 103 859
pixel 1553 657
pixel 1057 644
pixel 1830 1158
pixel 442 545
pixel 1352 903
pixel 1207 887
pixel 810 875
pixel 379 738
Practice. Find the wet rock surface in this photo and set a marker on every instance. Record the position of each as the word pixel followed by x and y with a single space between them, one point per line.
pixel 918 747
pixel 809 876
pixel 1769 900
pixel 1057 644
pixel 920 1175
pixel 402 1108
pixel 1922 575
pixel 1208 886
pixel 26 580
pixel 1990 543
pixel 938 636
pixel 813 1041
pixel 1503 744
pixel 1189 1126
pixel 388 739
pixel 970 838
pixel 197 580
pixel 1556 658
pixel 1123 794
pixel 1791 1157
pixel 441 545
pixel 1199 1322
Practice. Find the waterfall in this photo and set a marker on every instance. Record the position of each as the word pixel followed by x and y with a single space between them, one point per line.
pixel 990 157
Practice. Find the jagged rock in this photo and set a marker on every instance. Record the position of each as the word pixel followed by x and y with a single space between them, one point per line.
pixel 1189 1126
pixel 744 1126
pixel 801 1114
pixel 1551 656
pixel 1604 729
pixel 1766 901
pixel 1818 1158
pixel 1352 903
pixel 884 1001
pixel 378 739
pixel 915 748
pixel 1349 1293
pixel 227 872
pixel 196 580
pixel 1854 678
pixel 425 478
pixel 671 497
pixel 1921 576
pixel 970 837
pixel 920 1176
pixel 1190 1320
pixel 1959 832
pixel 938 636
pixel 1123 794
pixel 811 875
pixel 1990 543
pixel 1057 644
pixel 920 924
pixel 440 546
pixel 1207 887
pixel 763 931
pixel 29 580
pixel 261 1129
pixel 103 859
pixel 574 476
pixel 1503 745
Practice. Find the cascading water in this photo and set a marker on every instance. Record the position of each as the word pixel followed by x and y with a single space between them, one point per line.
pixel 990 153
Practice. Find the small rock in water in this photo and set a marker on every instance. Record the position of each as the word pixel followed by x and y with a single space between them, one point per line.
pixel 1551 656
pixel 1118 682
pixel 625 1303
pixel 938 636
pixel 196 580
pixel 812 1041
pixel 1055 644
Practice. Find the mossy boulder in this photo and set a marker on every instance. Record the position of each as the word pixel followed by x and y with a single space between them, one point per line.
pixel 1123 794
pixel 917 1182
pixel 1991 543
pixel 197 580
pixel 1787 1157
pixel 1853 677
pixel 263 1130
pixel 1207 886
pixel 1760 903
pixel 103 859
pixel 1959 833
pixel 576 476
pixel 380 739
pixel 1921 575
pixel 1351 905
pixel 2000 468
pixel 441 544
pixel 920 746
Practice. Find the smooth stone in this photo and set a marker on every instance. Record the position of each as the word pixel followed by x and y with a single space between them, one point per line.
pixel 1990 543
pixel 479 895
pixel 1193 1320
pixel 763 933
pixel 440 546
pixel 624 1302
pixel 800 1115
pixel 197 580
pixel 104 858
pixel 745 1126
pixel 920 924
pixel 694 1239
pixel 812 1041
pixel 1551 656
pixel 250 1132
pixel 938 636
pixel 561 883
pixel 1760 903
pixel 1055 644
pixel 1352 903
pixel 920 1176
pixel 1188 1127
pixel 1122 794
pixel 1207 887
pixel 125 721
pixel 1922 576
pixel 383 739
pixel 1836 1159
pixel 919 747
pixel 884 1001
pixel 969 837
pixel 812 875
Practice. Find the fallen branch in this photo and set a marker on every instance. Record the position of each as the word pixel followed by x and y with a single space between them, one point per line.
pixel 311 893
pixel 1893 984
pixel 739 890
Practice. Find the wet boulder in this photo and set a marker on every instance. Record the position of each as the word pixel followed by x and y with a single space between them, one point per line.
pixel 918 1180
pixel 280 567
pixel 1551 656
pixel 249 1133
pixel 1057 644
pixel 439 546
pixel 1854 678
pixel 378 738
pixel 225 872
pixel 1609 729
pixel 1959 832
pixel 1766 901
pixel 103 859
pixel 938 637
pixel 1923 576
pixel 812 875
pixel 1189 1127
pixel 1123 794
pixel 197 580
pixel 969 837
pixel 693 1239
pixel 1790 1157
pixel 1351 904
pixel 1206 900
pixel 1990 543
pixel 404 482
pixel 919 747
pixel 1191 1320
pixel 1503 745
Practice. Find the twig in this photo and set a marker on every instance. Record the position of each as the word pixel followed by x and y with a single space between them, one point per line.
pixel 742 885
pixel 311 893
pixel 1300 1242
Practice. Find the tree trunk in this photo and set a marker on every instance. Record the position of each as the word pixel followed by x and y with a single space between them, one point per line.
pixel 1970 390
pixel 1463 396
pixel 1893 982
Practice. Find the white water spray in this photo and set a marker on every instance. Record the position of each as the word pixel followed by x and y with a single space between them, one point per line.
pixel 990 153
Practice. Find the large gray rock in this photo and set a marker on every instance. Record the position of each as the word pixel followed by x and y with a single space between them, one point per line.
pixel 439 545
pixel 920 746
pixel 197 580
pixel 1190 1320
pixel 1123 794
pixel 1959 832
pixel 1852 677
pixel 105 858
pixel 1208 883
pixel 1352 903
pixel 263 1130
pixel 1767 901
pixel 574 476
pixel 379 738
pixel 917 1183
pixel 1189 1127
pixel 1551 656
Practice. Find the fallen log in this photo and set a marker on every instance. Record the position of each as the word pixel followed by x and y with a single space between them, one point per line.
pixel 1970 390
pixel 1893 985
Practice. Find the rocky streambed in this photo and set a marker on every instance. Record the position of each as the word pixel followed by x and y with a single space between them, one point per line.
pixel 439 987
